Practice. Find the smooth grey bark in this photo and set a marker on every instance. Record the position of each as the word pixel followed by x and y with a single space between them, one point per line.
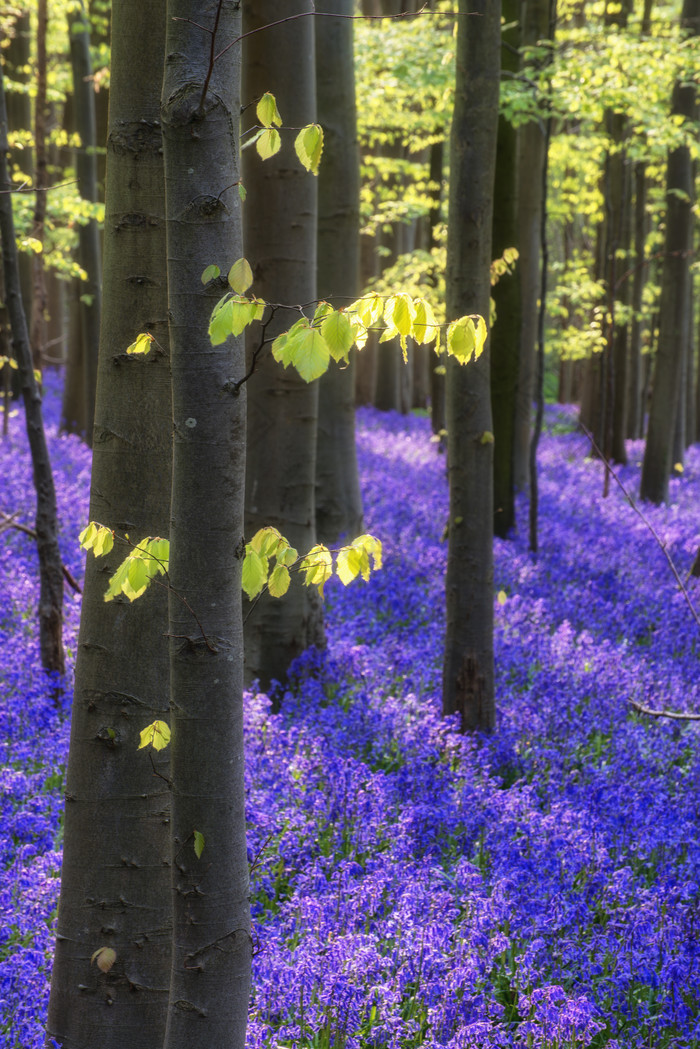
pixel 16 57
pixel 280 243
pixel 635 407
pixel 211 957
pixel 674 307
pixel 531 159
pixel 89 247
pixel 468 666
pixel 115 889
pixel 620 284
pixel 39 309
pixel 505 334
pixel 338 497
pixel 46 524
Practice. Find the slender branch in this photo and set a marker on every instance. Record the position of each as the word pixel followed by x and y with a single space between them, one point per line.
pixel 7 522
pixel 212 58
pixel 675 715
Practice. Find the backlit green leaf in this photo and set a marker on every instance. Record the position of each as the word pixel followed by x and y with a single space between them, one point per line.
pixel 255 570
pixel 278 583
pixel 198 844
pixel 309 147
pixel 269 143
pixel 240 276
pixel 338 334
pixel 461 339
pixel 141 344
pixel 156 735
pixel 221 322
pixel 267 112
pixel 210 273
pixel 317 566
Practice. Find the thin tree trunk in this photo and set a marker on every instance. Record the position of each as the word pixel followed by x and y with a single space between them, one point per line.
pixel 468 667
pixel 338 498
pixel 115 889
pixel 46 525
pixel 211 958
pixel 505 335
pixel 89 248
pixel 280 241
pixel 635 414
pixel 37 330
pixel 674 305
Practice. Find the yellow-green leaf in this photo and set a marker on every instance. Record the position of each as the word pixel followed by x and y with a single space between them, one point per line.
pixel 220 322
pixel 240 276
pixel 255 570
pixel 210 273
pixel 338 334
pixel 317 566
pixel 198 844
pixel 278 583
pixel 425 327
pixel 156 735
pixel 309 146
pixel 269 143
pixel 461 339
pixel 267 111
pixel 141 344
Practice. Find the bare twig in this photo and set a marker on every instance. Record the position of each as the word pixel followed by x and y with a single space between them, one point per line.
pixel 675 715
pixel 7 522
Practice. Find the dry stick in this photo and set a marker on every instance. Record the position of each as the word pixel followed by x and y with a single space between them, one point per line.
pixel 7 521
pixel 650 711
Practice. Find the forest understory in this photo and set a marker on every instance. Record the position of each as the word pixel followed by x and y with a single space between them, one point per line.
pixel 413 887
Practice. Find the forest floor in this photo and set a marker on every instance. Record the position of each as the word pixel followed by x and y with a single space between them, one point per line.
pixel 540 888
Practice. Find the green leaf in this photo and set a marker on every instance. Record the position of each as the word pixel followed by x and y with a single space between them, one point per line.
pixel 310 354
pixel 305 348
pixel 269 143
pixel 137 578
pixel 338 334
pixel 98 538
pixel 198 844
pixel 425 327
pixel 354 559
pixel 221 322
pixel 254 575
pixel 242 191
pixel 309 146
pixel 398 314
pixel 159 552
pixel 278 583
pixel 461 339
pixel 210 273
pixel 317 566
pixel 480 337
pixel 141 344
pixel 156 735
pixel 240 276
pixel 267 112
pixel 267 541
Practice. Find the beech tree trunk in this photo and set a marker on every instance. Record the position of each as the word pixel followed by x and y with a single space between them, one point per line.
pixel 674 306
pixel 46 525
pixel 505 335
pixel 211 957
pixel 280 242
pixel 635 406
pixel 338 498
pixel 468 667
pixel 89 247
pixel 115 889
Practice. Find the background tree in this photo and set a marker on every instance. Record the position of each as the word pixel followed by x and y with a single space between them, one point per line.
pixel 674 323
pixel 505 334
pixel 468 665
pixel 338 498
pixel 280 241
